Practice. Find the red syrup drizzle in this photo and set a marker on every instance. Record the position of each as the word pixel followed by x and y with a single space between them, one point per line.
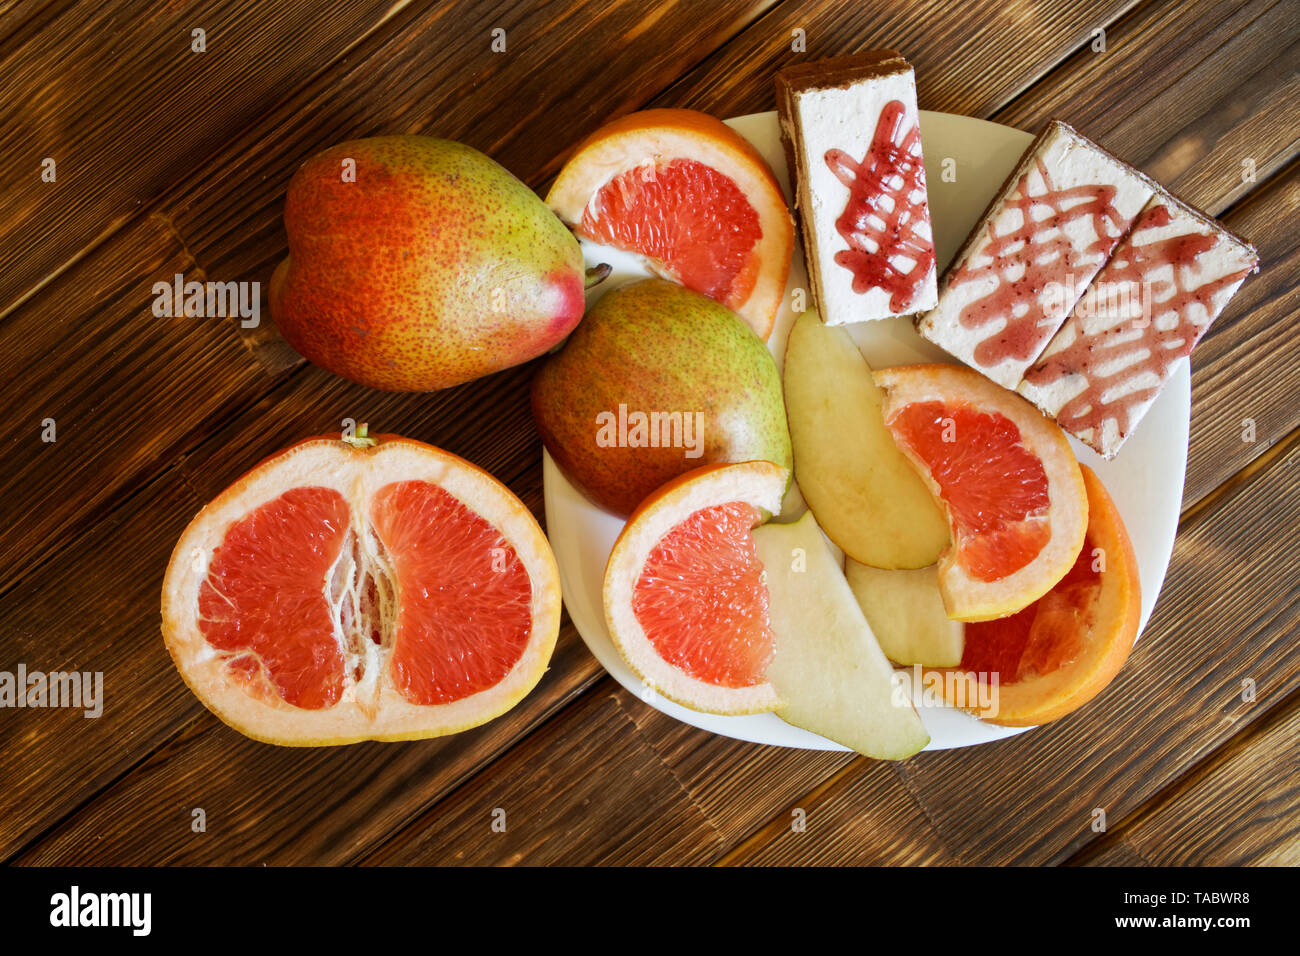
pixel 1156 349
pixel 1047 255
pixel 892 167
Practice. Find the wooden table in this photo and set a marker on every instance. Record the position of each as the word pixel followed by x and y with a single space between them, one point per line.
pixel 170 160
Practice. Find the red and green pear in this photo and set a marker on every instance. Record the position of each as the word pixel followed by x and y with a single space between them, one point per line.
pixel 418 263
pixel 656 381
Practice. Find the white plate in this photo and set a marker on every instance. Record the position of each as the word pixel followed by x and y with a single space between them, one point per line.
pixel 1146 480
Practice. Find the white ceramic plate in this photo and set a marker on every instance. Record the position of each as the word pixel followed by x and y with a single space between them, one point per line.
pixel 1146 479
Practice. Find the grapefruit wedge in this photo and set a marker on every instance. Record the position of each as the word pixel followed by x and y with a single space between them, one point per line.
pixel 374 588
pixel 1057 654
pixel 684 593
pixel 693 197
pixel 1006 477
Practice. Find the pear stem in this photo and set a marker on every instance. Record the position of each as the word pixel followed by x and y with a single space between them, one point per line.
pixel 361 437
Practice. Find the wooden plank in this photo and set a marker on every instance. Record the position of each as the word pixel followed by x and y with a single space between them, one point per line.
pixel 87 358
pixel 568 799
pixel 93 610
pixel 213 764
pixel 1229 611
pixel 1175 702
pixel 730 785
pixel 1266 310
pixel 870 820
pixel 251 767
pixel 737 785
pixel 401 86
pixel 702 766
pixel 315 402
pixel 21 21
pixel 1258 124
pixel 1124 856
pixel 263 804
pixel 963 59
pixel 1217 86
pixel 1244 370
pixel 130 107
pixel 246 179
pixel 1236 809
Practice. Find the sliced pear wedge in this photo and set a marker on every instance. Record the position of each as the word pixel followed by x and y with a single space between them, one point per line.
pixel 864 493
pixel 906 613
pixel 828 669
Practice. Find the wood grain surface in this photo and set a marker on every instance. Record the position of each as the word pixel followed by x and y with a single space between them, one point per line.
pixel 174 161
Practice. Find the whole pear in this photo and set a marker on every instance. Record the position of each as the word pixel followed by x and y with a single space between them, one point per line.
pixel 418 263
pixel 656 381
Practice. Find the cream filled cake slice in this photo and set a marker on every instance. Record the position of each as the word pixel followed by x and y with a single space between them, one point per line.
pixel 1142 315
pixel 852 136
pixel 1033 253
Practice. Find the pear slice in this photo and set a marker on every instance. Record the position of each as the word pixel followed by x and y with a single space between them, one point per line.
pixel 906 613
pixel 864 493
pixel 828 669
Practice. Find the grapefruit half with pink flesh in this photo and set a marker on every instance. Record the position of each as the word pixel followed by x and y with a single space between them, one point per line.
pixel 1005 476
pixel 684 592
pixel 1062 650
pixel 690 195
pixel 379 589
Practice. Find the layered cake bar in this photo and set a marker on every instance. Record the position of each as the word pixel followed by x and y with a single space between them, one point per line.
pixel 1142 315
pixel 853 140
pixel 1033 253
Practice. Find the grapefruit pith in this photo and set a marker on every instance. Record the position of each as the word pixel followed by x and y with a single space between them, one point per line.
pixel 690 195
pixel 684 592
pixel 1006 477
pixel 1062 650
pixel 350 590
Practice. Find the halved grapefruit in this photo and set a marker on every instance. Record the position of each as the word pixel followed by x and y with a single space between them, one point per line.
pixel 1062 650
pixel 1006 477
pixel 684 592
pixel 690 195
pixel 374 588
